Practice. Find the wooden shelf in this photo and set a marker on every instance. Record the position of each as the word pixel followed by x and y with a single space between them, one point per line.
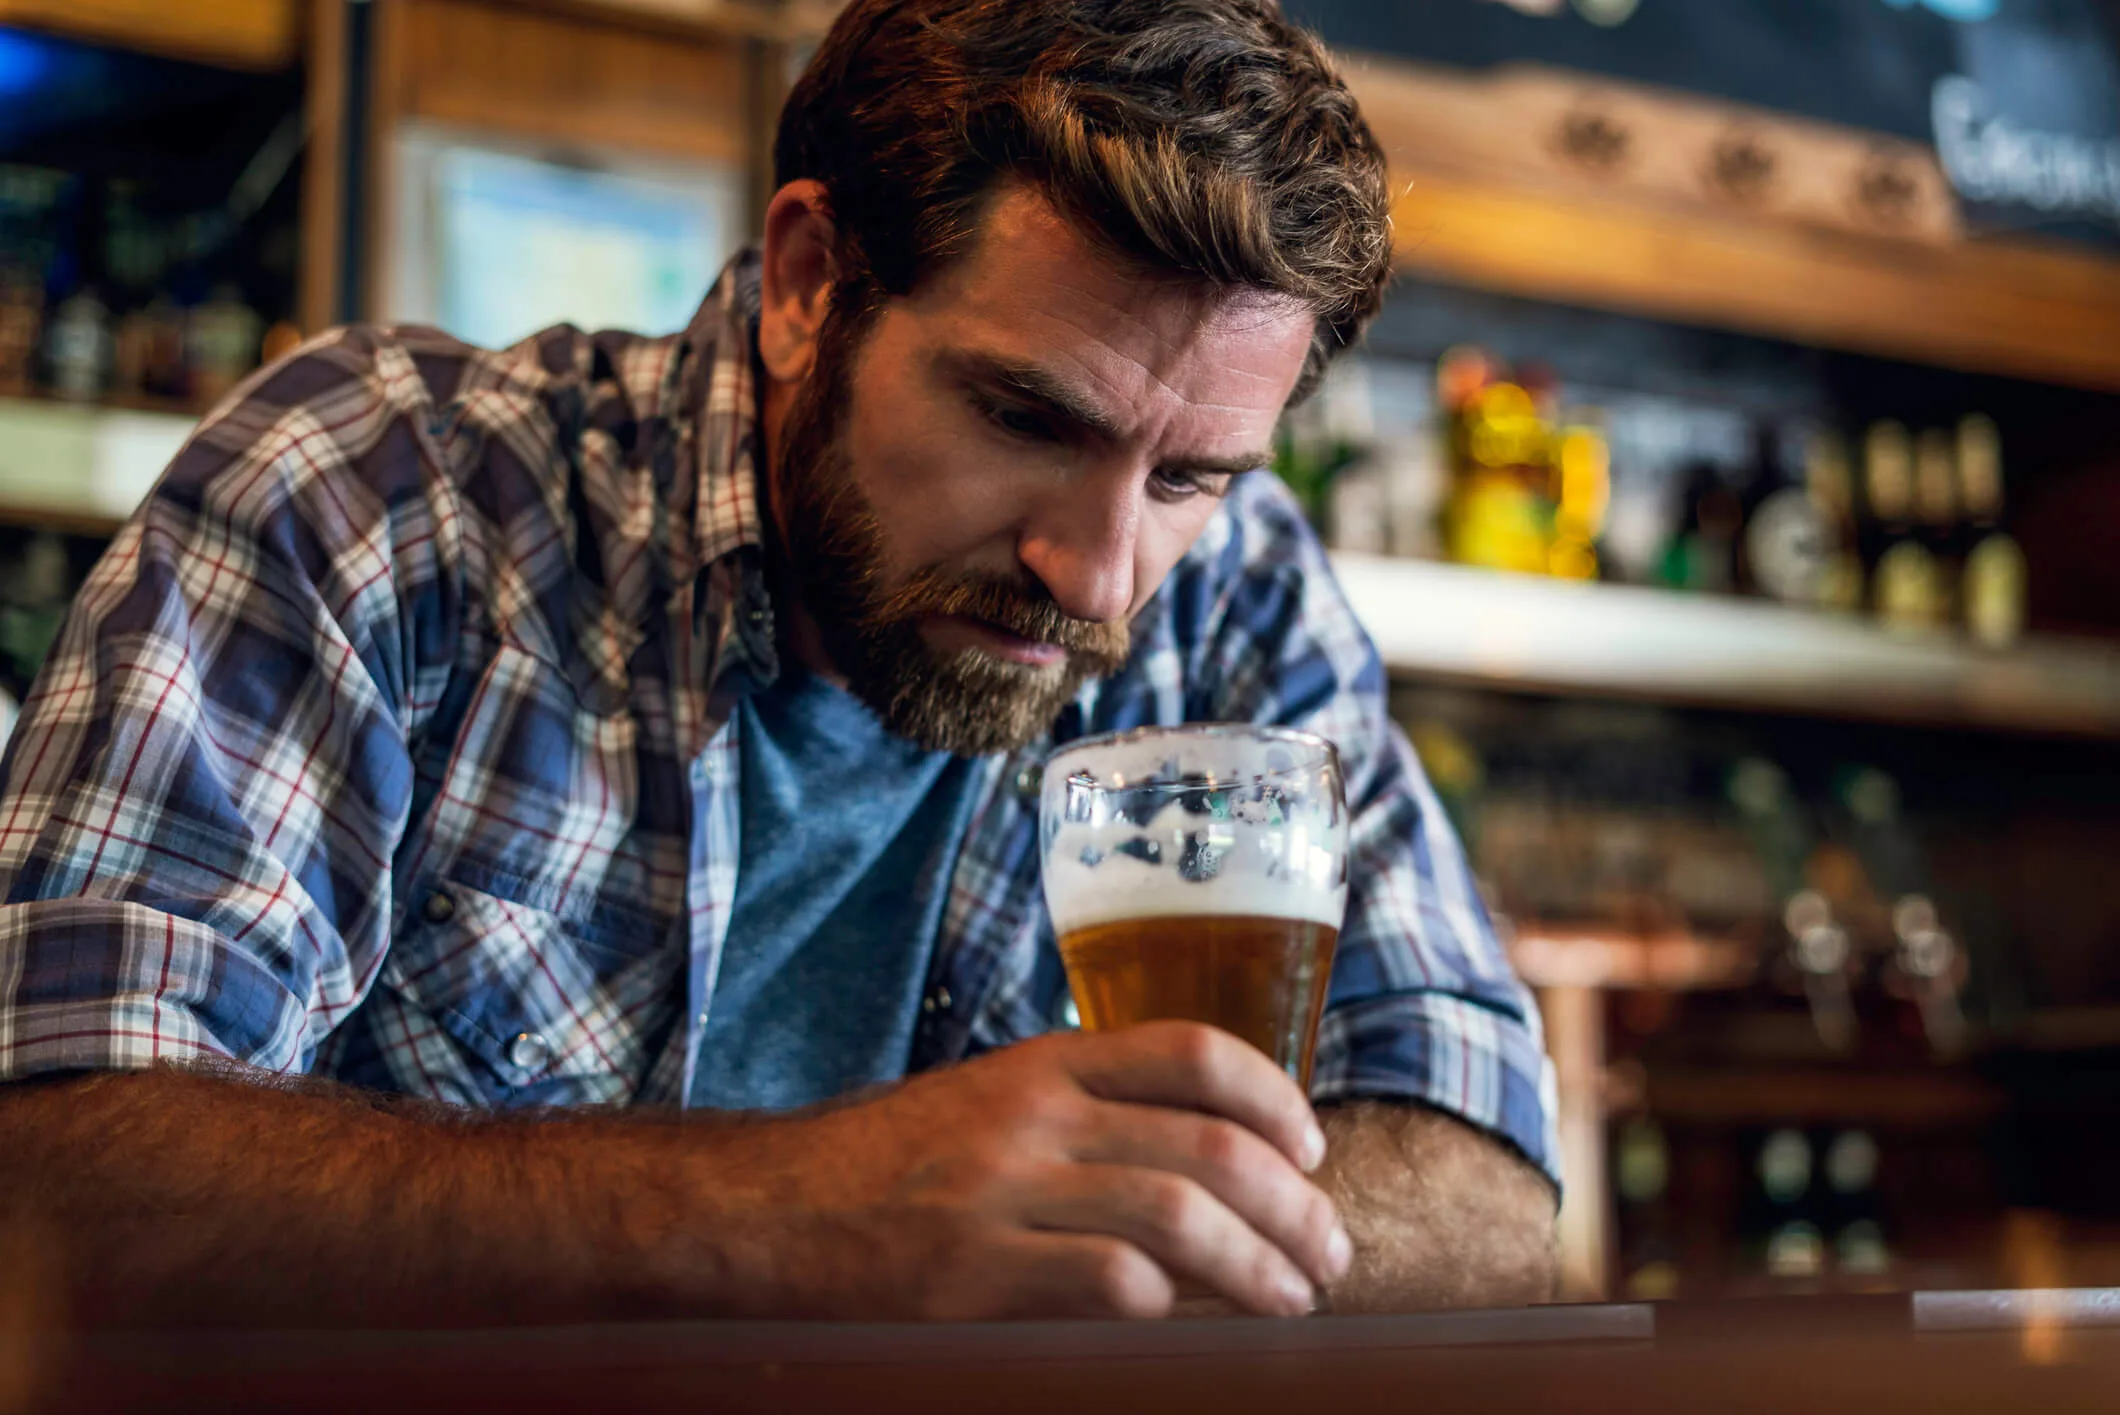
pixel 1491 198
pixel 1924 1099
pixel 2019 310
pixel 1526 633
pixel 1547 956
pixel 81 468
pixel 236 34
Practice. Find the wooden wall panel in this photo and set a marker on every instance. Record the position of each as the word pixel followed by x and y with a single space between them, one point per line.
pixel 562 78
pixel 246 34
pixel 323 194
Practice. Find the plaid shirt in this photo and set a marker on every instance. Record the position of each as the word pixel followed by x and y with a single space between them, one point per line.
pixel 391 741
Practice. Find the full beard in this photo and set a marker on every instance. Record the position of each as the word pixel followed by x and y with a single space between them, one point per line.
pixel 967 701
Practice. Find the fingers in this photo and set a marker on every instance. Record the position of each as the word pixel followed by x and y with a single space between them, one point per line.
pixel 1187 1066
pixel 1251 1178
pixel 1186 1231
pixel 1082 1275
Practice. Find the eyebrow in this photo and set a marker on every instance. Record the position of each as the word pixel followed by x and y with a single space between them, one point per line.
pixel 1059 400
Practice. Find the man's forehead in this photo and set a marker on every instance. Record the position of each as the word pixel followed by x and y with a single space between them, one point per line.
pixel 1035 288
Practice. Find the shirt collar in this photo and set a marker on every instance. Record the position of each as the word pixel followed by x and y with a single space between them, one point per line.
pixel 720 385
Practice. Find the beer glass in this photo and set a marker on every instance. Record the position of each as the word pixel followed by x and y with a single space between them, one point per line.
pixel 1199 872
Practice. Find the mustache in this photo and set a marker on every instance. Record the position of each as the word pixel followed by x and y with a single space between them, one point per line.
pixel 1027 611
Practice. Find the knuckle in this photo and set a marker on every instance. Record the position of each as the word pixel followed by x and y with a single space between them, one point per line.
pixel 1220 1148
pixel 1197 1049
pixel 1126 1284
pixel 1171 1205
pixel 1044 1104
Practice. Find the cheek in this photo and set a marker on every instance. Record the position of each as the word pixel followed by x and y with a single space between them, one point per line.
pixel 934 487
pixel 1167 532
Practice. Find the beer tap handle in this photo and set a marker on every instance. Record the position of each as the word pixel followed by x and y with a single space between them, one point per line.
pixel 1820 949
pixel 1934 967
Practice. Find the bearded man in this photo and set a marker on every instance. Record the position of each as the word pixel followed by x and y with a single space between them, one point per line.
pixel 550 834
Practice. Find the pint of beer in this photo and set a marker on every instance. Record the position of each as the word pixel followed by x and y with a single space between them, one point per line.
pixel 1201 873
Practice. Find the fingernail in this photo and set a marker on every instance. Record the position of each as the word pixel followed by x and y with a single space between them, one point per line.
pixel 1296 1295
pixel 1313 1148
pixel 1339 1251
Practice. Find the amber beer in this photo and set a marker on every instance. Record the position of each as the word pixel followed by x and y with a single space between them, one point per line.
pixel 1258 977
pixel 1200 873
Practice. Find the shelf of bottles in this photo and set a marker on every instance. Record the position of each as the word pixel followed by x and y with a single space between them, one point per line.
pixel 1866 573
pixel 122 319
pixel 1825 972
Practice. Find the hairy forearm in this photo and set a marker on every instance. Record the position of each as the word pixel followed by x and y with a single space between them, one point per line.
pixel 1441 1215
pixel 174 1196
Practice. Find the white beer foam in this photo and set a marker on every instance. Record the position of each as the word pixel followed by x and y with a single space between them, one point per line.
pixel 1119 886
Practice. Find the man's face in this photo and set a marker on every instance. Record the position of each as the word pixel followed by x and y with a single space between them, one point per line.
pixel 977 500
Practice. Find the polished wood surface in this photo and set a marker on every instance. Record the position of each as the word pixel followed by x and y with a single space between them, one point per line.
pixel 2054 1354
pixel 244 34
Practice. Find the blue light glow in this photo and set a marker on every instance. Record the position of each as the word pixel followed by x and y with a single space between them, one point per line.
pixel 24 62
pixel 1963 11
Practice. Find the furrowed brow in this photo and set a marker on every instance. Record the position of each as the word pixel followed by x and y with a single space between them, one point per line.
pixel 1061 401
pixel 1031 385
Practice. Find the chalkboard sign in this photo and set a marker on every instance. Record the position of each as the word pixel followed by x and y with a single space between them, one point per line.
pixel 2021 98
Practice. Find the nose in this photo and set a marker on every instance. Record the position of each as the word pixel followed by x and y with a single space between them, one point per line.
pixel 1080 543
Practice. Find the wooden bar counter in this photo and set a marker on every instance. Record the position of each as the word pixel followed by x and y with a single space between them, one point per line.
pixel 2048 1352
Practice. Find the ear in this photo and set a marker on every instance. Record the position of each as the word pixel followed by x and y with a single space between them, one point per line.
pixel 797 279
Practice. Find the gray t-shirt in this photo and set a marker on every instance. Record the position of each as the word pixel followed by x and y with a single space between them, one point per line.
pixel 849 834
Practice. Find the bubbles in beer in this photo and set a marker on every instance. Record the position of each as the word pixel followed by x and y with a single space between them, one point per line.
pixel 1258 831
pixel 1141 848
pixel 1201 859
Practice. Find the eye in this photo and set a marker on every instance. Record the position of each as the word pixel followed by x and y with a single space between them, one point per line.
pixel 1016 421
pixel 1168 484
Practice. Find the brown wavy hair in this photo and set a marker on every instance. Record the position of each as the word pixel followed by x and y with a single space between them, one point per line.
pixel 1204 139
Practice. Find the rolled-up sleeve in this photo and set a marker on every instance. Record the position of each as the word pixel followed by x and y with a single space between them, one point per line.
pixel 200 800
pixel 1424 1005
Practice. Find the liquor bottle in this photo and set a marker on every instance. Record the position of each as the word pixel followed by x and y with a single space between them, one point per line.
pixel 1994 577
pixel 1501 505
pixel 1583 481
pixel 221 344
pixel 1642 1177
pixel 1903 574
pixel 1860 1252
pixel 1791 1247
pixel 1936 514
pixel 77 346
pixel 1832 490
pixel 280 340
pixel 1787 536
pixel 21 324
pixel 1702 555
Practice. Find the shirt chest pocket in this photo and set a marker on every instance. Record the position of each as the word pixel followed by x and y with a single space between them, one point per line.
pixel 540 937
pixel 539 1006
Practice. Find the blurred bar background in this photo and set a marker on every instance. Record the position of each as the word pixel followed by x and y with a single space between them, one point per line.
pixel 1732 485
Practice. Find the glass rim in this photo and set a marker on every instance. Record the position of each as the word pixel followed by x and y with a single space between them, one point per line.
pixel 1324 752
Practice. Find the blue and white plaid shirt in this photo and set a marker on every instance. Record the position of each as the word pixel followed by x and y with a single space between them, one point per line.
pixel 391 741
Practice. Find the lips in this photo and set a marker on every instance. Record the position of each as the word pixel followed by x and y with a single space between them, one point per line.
pixel 1005 643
